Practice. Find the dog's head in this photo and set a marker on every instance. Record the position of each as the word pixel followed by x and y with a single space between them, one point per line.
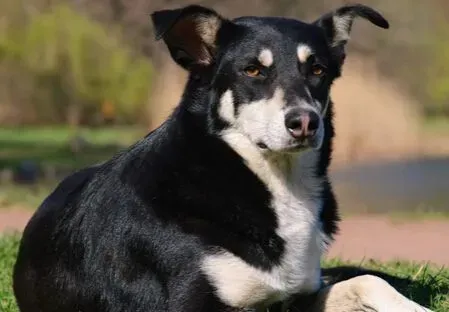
pixel 269 78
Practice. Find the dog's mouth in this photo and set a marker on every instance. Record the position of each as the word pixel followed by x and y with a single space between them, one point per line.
pixel 299 147
pixel 293 147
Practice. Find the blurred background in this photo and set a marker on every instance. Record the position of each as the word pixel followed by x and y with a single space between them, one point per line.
pixel 82 79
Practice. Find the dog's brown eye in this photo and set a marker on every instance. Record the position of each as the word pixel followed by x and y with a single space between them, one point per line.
pixel 317 70
pixel 252 71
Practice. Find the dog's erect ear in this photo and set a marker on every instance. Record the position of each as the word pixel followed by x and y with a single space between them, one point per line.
pixel 337 24
pixel 189 33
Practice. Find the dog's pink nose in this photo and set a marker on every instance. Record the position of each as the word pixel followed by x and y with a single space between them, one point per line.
pixel 302 123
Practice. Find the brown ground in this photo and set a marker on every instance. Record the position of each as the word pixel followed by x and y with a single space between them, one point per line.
pixel 380 238
pixel 13 219
pixel 360 238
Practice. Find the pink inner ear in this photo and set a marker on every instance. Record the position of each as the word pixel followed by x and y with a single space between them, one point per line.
pixel 185 35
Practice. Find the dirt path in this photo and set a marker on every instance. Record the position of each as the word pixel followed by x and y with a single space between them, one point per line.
pixel 360 238
pixel 13 219
pixel 380 238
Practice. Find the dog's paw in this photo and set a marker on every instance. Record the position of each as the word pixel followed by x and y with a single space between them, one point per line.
pixel 374 294
pixel 365 293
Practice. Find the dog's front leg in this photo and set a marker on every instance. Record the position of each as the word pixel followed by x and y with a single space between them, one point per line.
pixel 366 293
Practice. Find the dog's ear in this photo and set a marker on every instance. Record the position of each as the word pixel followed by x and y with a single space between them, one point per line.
pixel 337 24
pixel 189 33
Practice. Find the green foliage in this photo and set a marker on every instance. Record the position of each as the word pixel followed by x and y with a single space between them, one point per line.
pixel 438 73
pixel 77 61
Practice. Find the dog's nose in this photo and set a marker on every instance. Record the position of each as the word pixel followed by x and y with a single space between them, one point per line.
pixel 302 123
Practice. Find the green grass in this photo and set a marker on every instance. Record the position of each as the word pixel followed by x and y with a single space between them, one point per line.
pixel 437 125
pixel 8 251
pixel 49 147
pixel 60 134
pixel 25 196
pixel 400 216
pixel 429 285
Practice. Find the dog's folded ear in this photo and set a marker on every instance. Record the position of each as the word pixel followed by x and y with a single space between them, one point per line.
pixel 337 24
pixel 189 33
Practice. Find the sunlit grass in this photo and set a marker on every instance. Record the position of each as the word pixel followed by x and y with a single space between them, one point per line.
pixel 430 285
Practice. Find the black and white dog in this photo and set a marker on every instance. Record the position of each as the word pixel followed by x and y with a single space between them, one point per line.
pixel 227 206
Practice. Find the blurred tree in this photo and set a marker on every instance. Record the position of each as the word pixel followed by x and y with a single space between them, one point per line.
pixel 61 58
pixel 437 74
pixel 78 62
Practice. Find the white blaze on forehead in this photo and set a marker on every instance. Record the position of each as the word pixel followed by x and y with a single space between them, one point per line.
pixel 304 51
pixel 266 58
pixel 226 109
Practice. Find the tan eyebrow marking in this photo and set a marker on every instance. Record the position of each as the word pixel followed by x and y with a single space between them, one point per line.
pixel 304 52
pixel 266 58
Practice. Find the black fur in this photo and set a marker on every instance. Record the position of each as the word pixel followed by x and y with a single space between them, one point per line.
pixel 128 234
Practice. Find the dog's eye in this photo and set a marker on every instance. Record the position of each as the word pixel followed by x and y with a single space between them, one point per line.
pixel 317 70
pixel 252 71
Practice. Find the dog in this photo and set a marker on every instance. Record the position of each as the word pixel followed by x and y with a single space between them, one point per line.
pixel 227 206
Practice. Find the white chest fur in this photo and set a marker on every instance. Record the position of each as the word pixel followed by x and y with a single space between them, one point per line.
pixel 241 285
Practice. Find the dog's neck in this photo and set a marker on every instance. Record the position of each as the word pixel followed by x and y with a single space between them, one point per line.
pixel 275 169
